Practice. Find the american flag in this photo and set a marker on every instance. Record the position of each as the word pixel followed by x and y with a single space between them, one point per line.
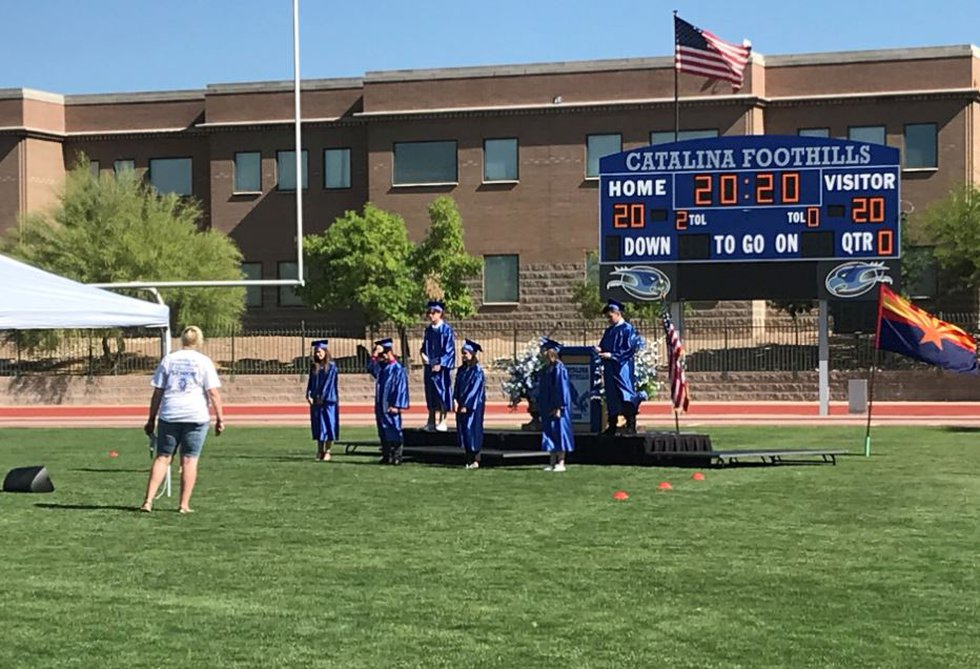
pixel 700 52
pixel 675 366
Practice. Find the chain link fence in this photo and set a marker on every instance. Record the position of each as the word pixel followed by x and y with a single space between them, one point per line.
pixel 711 345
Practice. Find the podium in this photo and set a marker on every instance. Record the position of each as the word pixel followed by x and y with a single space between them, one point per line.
pixel 583 367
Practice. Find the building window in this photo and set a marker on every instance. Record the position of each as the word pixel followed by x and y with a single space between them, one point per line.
pixel 93 168
pixel 171 175
pixel 248 172
pixel 425 163
pixel 501 283
pixel 286 170
pixel 873 134
pixel 597 146
pixel 119 166
pixel 667 136
pixel 920 145
pixel 253 294
pixel 500 160
pixel 336 168
pixel 287 294
pixel 813 132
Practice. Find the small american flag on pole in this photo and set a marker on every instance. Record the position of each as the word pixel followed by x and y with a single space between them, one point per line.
pixel 702 53
pixel 675 366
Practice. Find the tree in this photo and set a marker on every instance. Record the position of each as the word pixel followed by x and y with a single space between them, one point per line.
pixel 441 264
pixel 117 229
pixel 361 262
pixel 953 225
pixel 585 296
pixel 365 262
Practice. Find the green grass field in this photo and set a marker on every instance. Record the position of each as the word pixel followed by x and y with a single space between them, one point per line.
pixel 293 563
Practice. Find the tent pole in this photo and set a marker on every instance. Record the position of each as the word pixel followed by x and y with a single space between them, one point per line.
pixel 165 346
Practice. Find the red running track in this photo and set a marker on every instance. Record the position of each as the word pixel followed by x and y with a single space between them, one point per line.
pixel 721 413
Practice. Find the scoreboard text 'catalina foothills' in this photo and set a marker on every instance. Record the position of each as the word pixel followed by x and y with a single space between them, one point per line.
pixel 756 200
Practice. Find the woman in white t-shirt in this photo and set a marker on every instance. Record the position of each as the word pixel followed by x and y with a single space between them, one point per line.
pixel 183 386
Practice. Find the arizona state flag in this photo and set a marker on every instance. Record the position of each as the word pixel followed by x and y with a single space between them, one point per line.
pixel 906 329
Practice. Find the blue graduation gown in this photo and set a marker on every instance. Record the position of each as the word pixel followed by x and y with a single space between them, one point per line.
pixel 618 371
pixel 390 391
pixel 439 345
pixel 325 410
pixel 555 392
pixel 471 393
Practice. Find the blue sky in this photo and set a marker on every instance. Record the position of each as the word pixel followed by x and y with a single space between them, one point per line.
pixel 94 46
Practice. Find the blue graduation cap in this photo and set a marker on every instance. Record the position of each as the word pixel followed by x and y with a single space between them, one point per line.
pixel 320 343
pixel 386 344
pixel 550 344
pixel 612 305
pixel 471 346
pixel 435 305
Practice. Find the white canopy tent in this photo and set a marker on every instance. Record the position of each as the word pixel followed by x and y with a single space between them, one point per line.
pixel 32 299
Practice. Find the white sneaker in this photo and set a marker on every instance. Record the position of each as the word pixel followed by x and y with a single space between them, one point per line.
pixel 560 467
pixel 442 427
pixel 549 468
pixel 473 465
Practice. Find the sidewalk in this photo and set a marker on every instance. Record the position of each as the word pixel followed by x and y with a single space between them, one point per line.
pixel 500 415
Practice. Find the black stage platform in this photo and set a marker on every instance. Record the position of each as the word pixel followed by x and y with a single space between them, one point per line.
pixel 503 447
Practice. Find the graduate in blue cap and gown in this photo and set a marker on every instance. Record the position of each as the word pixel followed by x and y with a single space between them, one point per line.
pixel 321 394
pixel 616 349
pixel 469 400
pixel 555 405
pixel 439 358
pixel 390 399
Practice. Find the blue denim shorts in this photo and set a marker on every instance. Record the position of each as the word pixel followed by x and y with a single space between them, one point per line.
pixel 188 436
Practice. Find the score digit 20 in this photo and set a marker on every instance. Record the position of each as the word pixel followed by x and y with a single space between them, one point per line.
pixel 629 215
pixel 868 209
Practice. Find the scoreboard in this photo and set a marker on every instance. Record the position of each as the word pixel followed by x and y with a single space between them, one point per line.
pixel 760 206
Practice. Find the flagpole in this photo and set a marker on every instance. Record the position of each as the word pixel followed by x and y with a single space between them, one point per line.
pixel 871 395
pixel 871 379
pixel 677 104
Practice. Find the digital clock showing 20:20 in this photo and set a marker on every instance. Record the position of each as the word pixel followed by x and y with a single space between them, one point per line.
pixel 764 198
pixel 747 189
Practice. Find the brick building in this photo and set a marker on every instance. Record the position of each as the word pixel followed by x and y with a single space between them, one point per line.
pixel 516 146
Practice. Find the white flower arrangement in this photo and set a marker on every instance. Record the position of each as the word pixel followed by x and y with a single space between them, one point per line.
pixel 645 367
pixel 522 373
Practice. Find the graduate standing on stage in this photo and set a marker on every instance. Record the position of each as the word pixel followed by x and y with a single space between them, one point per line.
pixel 470 399
pixel 617 348
pixel 555 405
pixel 321 393
pixel 439 358
pixel 390 399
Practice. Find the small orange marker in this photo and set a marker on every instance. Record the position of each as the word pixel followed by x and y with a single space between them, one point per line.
pixel 113 454
pixel 665 485
pixel 621 495
pixel 697 476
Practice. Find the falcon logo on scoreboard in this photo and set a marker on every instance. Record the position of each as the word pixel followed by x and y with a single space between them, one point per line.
pixel 853 279
pixel 641 282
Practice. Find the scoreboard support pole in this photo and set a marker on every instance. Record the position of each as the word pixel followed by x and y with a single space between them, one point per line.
pixel 823 357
